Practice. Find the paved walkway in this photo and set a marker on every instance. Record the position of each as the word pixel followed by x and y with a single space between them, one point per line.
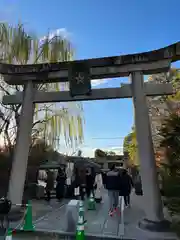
pixel 51 219
pixel 100 224
pixel 42 207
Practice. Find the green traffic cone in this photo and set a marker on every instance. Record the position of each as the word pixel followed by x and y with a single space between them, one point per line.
pixel 81 211
pixel 9 235
pixel 80 229
pixel 81 208
pixel 91 203
pixel 28 224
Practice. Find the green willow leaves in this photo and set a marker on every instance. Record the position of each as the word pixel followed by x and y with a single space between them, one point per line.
pixel 59 124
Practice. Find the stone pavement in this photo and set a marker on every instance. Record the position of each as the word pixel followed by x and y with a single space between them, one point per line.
pixel 132 217
pixel 50 222
pixel 99 224
pixel 40 208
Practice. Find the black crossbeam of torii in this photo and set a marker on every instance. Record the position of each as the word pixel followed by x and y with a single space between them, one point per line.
pixel 171 52
pixel 79 73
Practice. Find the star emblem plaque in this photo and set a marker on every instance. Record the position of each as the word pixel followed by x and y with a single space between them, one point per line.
pixel 79 79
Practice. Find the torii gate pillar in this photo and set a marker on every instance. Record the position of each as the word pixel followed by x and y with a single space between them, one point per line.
pixel 23 142
pixel 154 212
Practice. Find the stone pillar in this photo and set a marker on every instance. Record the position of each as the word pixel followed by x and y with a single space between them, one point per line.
pixel 20 158
pixel 152 199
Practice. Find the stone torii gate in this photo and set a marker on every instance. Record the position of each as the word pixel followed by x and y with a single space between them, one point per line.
pixel 79 73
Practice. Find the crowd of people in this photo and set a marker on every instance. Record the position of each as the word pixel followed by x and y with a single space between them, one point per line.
pixel 117 182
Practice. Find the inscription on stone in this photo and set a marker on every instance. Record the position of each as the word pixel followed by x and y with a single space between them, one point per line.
pixel 171 52
pixel 39 68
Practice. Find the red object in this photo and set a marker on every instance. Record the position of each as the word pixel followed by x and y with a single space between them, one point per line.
pixel 117 210
pixel 13 231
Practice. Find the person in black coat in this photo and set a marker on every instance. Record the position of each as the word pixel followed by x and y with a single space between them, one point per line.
pixel 60 187
pixel 126 186
pixel 80 181
pixel 89 183
pixel 138 185
pixel 112 183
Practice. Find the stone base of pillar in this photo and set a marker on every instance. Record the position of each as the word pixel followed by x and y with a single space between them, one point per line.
pixel 162 226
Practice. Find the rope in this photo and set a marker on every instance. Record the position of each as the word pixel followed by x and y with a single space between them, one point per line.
pixel 21 222
pixel 20 205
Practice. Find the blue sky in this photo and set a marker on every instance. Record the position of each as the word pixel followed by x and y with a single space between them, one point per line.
pixel 102 28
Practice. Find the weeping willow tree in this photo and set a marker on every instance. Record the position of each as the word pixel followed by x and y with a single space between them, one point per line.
pixel 58 124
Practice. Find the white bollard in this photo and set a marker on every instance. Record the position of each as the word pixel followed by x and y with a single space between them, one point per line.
pixel 72 215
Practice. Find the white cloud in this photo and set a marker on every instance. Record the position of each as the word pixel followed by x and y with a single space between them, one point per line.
pixel 116 149
pixel 89 152
pixel 65 34
pixel 58 32
pixel 98 82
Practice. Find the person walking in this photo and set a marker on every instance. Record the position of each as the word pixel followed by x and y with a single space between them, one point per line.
pixel 138 185
pixel 49 184
pixel 60 187
pixel 81 180
pixel 126 187
pixel 112 184
pixel 98 185
pixel 89 183
pixel 104 179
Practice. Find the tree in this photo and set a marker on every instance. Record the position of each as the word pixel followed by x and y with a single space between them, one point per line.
pixel 110 153
pixel 170 169
pixel 161 107
pixel 100 153
pixel 39 152
pixel 168 102
pixel 158 107
pixel 170 133
pixel 130 147
pixel 79 153
pixel 56 123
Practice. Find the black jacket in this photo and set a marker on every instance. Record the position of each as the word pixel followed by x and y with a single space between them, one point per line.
pixel 90 181
pixel 112 180
pixel 126 185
